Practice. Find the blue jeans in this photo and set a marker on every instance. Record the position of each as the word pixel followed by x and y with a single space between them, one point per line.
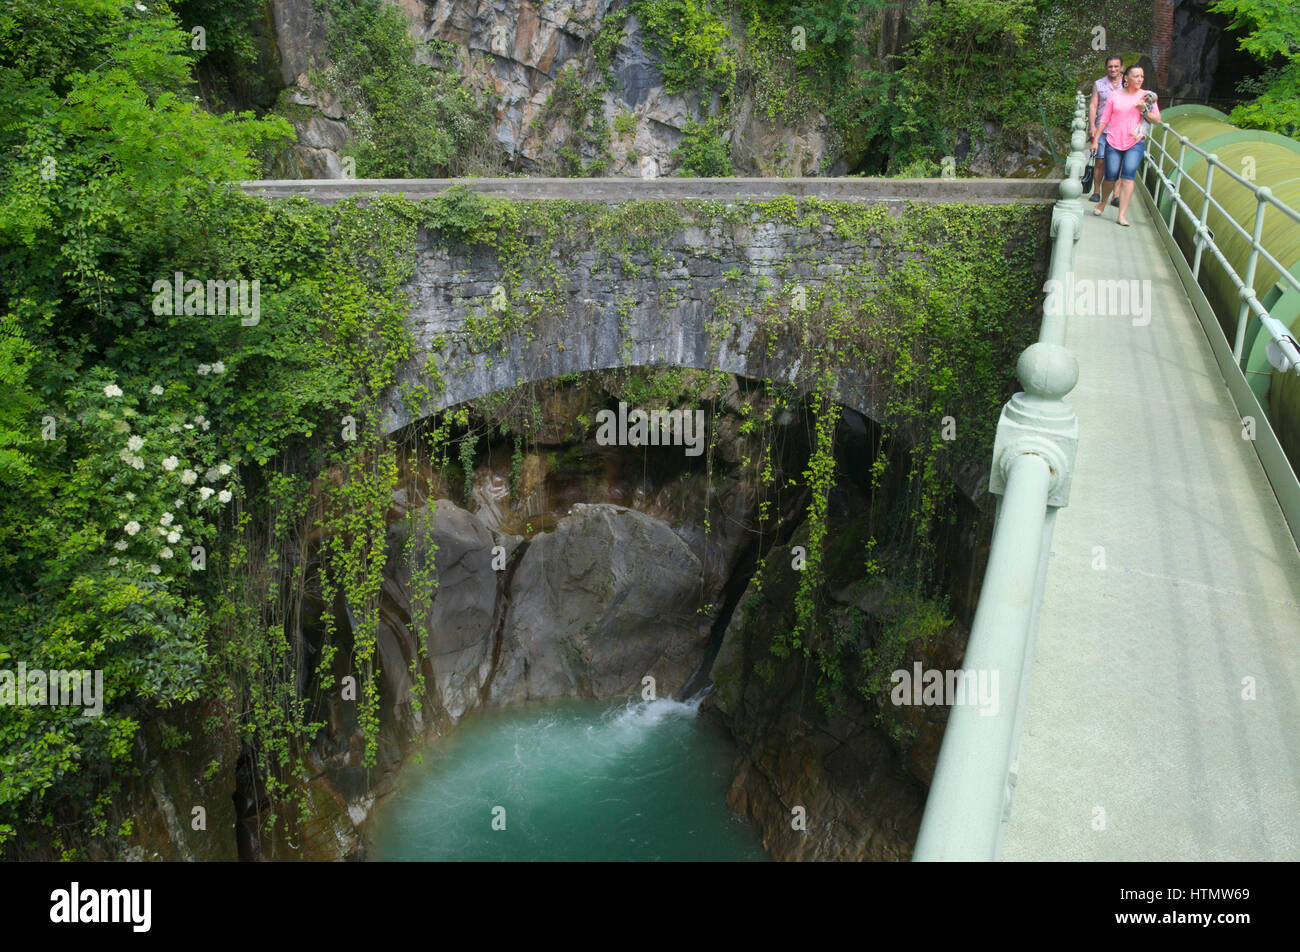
pixel 1124 163
pixel 1101 148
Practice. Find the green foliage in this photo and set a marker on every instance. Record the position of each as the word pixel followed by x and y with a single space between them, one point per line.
pixel 787 84
pixel 230 69
pixel 101 157
pixel 16 355
pixel 833 23
pixel 607 39
pixel 172 737
pixel 662 386
pixel 975 71
pixel 1271 33
pixel 972 62
pixel 691 35
pixel 104 162
pixel 408 118
pixel 225 24
pixel 941 331
pixel 144 490
pixel 577 106
pixel 353 557
pixel 703 152
pixel 908 620
pixel 516 466
pixel 462 216
pixel 465 455
pixel 819 477
pixel 625 123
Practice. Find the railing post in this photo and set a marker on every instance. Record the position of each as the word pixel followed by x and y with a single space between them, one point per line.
pixel 1262 194
pixel 1178 185
pixel 1077 160
pixel 1067 214
pixel 1033 459
pixel 1203 233
pixel 1160 167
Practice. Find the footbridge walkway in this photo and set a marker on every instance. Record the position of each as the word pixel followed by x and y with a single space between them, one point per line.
pixel 1159 707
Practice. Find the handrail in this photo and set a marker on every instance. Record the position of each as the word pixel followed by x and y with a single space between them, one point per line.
pixel 1282 352
pixel 1203 238
pixel 1213 159
pixel 1033 459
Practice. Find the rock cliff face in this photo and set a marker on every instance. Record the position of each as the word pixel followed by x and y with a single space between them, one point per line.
pixel 553 106
pixel 180 804
pixel 585 610
pixel 822 786
pixel 317 115
pixel 1194 53
pixel 513 52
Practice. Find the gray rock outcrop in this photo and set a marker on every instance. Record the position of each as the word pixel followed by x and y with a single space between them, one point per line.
pixel 512 52
pixel 463 615
pixel 611 596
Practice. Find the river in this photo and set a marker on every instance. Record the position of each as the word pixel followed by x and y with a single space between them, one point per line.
pixel 569 780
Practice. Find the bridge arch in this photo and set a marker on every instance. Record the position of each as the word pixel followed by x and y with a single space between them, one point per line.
pixel 812 293
pixel 592 340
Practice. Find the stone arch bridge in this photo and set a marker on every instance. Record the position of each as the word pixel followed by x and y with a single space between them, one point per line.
pixel 658 306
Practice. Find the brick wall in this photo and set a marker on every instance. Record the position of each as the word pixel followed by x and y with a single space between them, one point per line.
pixel 1162 37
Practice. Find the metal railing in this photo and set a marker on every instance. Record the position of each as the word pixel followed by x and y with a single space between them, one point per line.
pixel 1033 459
pixel 1246 380
pixel 1203 238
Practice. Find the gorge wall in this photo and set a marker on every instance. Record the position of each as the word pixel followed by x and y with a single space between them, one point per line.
pixel 513 54
pixel 568 568
pixel 578 87
pixel 586 599
pixel 540 595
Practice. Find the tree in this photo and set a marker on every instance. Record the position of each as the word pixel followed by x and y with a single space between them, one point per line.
pixel 1272 35
pixel 106 162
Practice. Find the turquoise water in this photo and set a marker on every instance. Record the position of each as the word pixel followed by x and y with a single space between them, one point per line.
pixel 577 780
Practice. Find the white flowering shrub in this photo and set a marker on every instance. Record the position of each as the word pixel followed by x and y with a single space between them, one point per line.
pixel 144 474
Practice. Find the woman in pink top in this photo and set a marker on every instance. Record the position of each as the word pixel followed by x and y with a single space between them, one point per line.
pixel 1121 123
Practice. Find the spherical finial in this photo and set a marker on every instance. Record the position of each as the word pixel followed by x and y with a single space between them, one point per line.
pixel 1263 193
pixel 1070 188
pixel 1047 371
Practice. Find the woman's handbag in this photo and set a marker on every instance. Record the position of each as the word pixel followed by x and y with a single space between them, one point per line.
pixel 1087 172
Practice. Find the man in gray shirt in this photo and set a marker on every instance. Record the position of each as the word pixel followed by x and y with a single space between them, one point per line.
pixel 1101 91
